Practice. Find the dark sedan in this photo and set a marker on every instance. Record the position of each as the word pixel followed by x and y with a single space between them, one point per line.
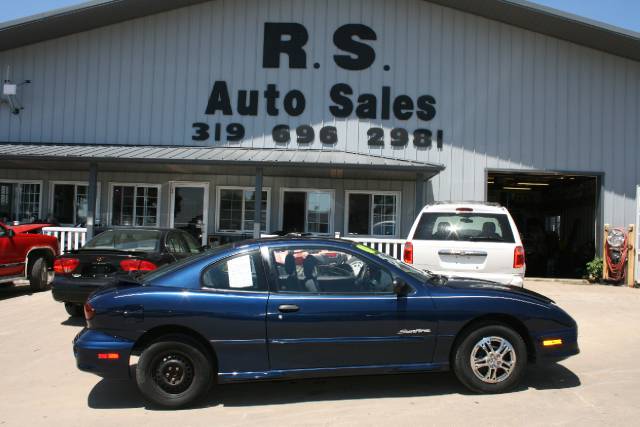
pixel 281 308
pixel 106 258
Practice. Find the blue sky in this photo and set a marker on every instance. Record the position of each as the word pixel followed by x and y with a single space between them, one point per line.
pixel 622 13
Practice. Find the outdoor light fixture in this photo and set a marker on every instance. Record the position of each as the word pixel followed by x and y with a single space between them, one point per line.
pixel 542 184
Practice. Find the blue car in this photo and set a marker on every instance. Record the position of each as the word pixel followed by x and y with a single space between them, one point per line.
pixel 304 307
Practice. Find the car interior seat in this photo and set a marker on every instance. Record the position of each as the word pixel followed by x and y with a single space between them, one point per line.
pixel 443 231
pixel 291 283
pixel 310 268
pixel 489 230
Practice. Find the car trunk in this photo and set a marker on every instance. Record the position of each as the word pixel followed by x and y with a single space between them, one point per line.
pixel 458 256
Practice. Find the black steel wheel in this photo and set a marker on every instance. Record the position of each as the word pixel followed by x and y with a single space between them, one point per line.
pixel 174 372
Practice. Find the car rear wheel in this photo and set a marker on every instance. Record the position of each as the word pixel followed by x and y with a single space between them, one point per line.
pixel 490 359
pixel 73 310
pixel 39 275
pixel 174 372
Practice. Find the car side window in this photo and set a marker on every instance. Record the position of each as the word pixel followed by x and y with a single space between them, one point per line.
pixel 238 273
pixel 328 271
pixel 192 246
pixel 175 244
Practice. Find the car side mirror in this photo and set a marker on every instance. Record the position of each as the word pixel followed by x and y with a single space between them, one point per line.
pixel 205 248
pixel 400 287
pixel 10 233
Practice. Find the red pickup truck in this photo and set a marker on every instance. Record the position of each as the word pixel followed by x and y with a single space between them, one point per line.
pixel 26 254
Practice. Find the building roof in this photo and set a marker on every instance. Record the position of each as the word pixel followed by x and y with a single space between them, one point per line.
pixel 275 161
pixel 521 13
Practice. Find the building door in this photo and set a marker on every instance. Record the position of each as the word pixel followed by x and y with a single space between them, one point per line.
pixel 189 208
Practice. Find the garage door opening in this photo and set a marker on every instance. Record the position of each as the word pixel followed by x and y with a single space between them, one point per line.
pixel 556 215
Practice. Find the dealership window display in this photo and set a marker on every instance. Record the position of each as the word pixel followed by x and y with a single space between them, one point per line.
pixel 373 213
pixel 20 201
pixel 237 209
pixel 135 204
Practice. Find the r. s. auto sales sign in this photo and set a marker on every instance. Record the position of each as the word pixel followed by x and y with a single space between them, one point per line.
pixel 356 45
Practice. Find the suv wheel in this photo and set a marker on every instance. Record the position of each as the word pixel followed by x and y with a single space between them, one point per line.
pixel 174 372
pixel 39 275
pixel 491 359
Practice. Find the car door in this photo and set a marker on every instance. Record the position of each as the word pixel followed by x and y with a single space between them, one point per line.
pixel 12 254
pixel 330 307
pixel 231 305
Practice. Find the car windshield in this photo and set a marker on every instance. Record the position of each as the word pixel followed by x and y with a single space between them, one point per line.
pixel 126 240
pixel 468 227
pixel 420 275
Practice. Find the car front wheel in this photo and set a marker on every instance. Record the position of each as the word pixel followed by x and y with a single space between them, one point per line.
pixel 491 359
pixel 174 372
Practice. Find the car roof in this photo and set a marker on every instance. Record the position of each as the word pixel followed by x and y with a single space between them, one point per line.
pixel 481 207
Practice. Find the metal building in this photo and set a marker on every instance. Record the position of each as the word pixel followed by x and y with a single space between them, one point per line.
pixel 347 116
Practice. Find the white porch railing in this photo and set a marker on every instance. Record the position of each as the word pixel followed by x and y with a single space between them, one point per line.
pixel 391 247
pixel 70 238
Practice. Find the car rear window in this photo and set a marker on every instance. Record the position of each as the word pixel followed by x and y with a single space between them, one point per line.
pixel 468 226
pixel 126 240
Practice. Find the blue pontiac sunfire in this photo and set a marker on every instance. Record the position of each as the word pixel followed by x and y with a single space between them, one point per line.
pixel 297 308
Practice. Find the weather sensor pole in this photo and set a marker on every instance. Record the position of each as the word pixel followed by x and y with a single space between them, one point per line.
pixel 10 93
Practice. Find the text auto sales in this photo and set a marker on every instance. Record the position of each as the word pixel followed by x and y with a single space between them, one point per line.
pixel 289 39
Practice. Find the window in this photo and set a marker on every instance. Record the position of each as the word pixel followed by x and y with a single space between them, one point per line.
pixel 464 226
pixel 317 270
pixel 181 243
pixel 20 201
pixel 127 240
pixel 237 209
pixel 70 202
pixel 373 214
pixel 239 273
pixel 135 204
pixel 307 211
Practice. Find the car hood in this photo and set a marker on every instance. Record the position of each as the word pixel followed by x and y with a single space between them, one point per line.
pixel 487 285
pixel 27 228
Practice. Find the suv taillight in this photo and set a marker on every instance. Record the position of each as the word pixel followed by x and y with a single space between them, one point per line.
pixel 89 312
pixel 407 254
pixel 518 257
pixel 137 265
pixel 65 265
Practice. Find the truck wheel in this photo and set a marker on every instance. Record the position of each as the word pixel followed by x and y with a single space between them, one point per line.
pixel 173 372
pixel 73 310
pixel 490 359
pixel 39 275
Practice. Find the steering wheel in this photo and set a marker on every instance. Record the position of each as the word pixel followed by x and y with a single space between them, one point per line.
pixel 361 279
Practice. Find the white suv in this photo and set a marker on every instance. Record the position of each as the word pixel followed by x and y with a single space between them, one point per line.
pixel 471 239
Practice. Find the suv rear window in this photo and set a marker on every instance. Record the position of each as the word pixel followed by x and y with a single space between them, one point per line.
pixel 481 227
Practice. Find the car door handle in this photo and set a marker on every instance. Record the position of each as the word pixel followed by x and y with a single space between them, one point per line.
pixel 288 308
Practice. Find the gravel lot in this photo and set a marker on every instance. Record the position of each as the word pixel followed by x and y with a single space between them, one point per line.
pixel 41 385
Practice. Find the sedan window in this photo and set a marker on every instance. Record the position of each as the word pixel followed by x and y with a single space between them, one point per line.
pixel 328 271
pixel 239 273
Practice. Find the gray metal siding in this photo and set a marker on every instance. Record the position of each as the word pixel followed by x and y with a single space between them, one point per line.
pixel 507 97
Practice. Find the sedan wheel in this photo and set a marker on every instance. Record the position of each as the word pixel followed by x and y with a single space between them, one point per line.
pixel 493 359
pixel 490 359
pixel 174 372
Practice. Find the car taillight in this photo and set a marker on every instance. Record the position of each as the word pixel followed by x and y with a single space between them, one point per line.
pixel 89 312
pixel 518 257
pixel 407 254
pixel 65 265
pixel 137 265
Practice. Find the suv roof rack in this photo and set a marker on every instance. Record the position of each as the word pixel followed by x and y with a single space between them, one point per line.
pixel 465 202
